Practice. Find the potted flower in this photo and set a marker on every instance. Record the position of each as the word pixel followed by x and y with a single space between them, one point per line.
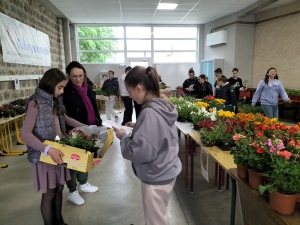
pixel 284 175
pixel 198 116
pixel 214 102
pixel 229 127
pixel 240 152
pixel 79 139
pixel 19 109
pixel 206 134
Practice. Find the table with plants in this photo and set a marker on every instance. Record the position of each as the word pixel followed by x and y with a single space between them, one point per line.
pixel 185 129
pixel 259 146
pixel 109 94
pixel 11 113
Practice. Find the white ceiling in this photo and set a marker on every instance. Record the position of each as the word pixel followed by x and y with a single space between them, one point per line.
pixel 144 11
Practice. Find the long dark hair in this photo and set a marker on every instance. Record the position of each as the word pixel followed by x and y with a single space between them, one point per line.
pixel 267 76
pixel 48 83
pixel 75 64
pixel 147 77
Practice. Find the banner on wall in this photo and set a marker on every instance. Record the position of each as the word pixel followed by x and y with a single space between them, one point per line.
pixel 23 44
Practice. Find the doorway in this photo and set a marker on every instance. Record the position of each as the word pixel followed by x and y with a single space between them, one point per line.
pixel 144 62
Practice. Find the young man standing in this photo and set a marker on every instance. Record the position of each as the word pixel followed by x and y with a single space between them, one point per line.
pixel 127 101
pixel 236 83
pixel 218 73
pixel 225 92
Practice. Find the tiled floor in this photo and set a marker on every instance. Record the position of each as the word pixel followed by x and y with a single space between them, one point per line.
pixel 118 201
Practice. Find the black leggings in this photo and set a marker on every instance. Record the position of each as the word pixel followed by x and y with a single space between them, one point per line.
pixel 51 205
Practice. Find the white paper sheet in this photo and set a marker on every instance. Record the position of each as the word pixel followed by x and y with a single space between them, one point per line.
pixel 111 124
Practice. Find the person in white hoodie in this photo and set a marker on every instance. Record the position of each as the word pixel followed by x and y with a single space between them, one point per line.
pixel 153 145
pixel 127 101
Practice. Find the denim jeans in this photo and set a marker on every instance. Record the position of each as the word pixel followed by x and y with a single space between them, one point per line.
pixel 271 111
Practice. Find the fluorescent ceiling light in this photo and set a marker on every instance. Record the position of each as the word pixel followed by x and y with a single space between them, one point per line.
pixel 167 6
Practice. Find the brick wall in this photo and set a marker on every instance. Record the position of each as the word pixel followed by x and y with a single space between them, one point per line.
pixel 34 15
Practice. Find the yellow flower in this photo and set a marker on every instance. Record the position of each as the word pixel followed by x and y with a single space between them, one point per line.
pixel 274 120
pixel 220 101
pixel 202 104
pixel 228 114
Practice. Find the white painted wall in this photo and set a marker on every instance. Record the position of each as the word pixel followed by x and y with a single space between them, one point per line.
pixel 176 73
pixel 244 50
pixel 93 71
pixel 238 52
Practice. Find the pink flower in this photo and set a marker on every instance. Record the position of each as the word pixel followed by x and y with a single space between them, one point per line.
pixel 270 143
pixel 236 137
pixel 272 149
pixel 280 145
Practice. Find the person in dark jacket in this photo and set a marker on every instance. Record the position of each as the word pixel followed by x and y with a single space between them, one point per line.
pixel 188 84
pixel 225 92
pixel 112 85
pixel 80 104
pixel 90 83
pixel 218 73
pixel 236 83
pixel 203 88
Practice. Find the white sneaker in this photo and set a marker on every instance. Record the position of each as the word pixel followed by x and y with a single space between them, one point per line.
pixel 88 188
pixel 75 198
pixel 116 119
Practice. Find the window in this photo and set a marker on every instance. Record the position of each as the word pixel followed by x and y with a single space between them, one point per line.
pixel 172 57
pixel 138 32
pixel 138 45
pixel 88 44
pixel 175 32
pixel 175 45
pixel 104 57
pixel 102 44
pixel 101 32
pixel 138 54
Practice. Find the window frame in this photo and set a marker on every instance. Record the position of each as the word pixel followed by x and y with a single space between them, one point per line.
pixel 124 39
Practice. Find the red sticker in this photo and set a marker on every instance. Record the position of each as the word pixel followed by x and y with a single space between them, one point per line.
pixel 75 157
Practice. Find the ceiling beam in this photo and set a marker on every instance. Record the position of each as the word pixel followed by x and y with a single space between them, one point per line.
pixel 255 7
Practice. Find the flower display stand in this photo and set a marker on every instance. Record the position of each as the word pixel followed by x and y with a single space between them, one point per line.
pixel 256 208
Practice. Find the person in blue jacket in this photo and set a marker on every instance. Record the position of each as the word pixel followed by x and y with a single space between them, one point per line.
pixel 269 91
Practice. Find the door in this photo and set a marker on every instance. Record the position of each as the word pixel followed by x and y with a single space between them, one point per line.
pixel 211 72
pixel 144 62
pixel 207 68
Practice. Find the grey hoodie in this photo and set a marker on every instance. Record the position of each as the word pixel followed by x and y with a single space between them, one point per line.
pixel 153 146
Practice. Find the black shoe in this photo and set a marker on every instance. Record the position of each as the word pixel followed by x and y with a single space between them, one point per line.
pixel 61 221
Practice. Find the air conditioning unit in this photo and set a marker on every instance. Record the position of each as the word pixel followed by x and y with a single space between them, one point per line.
pixel 216 38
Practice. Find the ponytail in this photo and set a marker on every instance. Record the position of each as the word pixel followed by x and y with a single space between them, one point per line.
pixel 147 77
pixel 191 70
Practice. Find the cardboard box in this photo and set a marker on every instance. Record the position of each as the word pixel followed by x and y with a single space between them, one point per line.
pixel 76 158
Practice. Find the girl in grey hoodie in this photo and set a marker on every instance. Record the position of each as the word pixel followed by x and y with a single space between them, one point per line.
pixel 153 145
pixel 269 90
